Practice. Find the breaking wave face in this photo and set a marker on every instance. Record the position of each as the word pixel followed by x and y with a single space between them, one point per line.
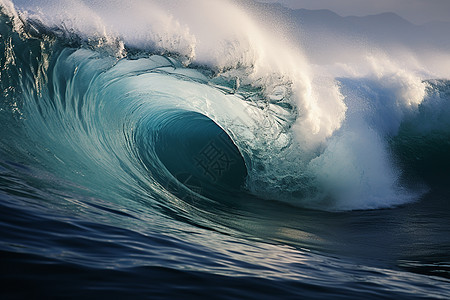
pixel 142 99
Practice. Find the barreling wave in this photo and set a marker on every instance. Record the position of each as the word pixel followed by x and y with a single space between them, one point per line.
pixel 147 107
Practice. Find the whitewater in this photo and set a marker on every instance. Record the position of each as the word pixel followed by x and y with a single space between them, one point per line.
pixel 225 149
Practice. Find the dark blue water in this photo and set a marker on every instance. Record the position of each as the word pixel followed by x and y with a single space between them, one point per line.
pixel 139 175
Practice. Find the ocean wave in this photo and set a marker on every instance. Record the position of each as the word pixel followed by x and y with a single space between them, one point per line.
pixel 93 93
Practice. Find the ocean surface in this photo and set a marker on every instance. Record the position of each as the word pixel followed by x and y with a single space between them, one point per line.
pixel 221 150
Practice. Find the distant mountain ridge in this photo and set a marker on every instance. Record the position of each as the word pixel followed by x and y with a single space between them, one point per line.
pixel 326 37
pixel 385 25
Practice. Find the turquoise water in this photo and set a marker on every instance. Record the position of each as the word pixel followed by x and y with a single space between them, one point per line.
pixel 134 172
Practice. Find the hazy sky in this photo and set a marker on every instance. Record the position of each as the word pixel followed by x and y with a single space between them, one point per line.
pixel 416 11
